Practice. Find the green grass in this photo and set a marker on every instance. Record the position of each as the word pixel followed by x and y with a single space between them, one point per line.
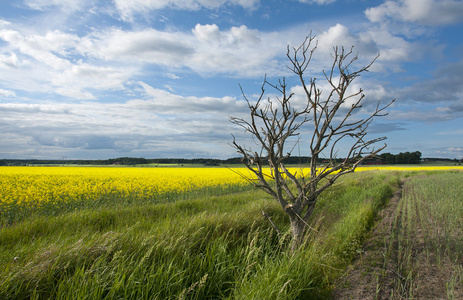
pixel 197 247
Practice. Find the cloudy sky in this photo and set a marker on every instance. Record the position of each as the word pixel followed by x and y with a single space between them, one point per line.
pixel 98 79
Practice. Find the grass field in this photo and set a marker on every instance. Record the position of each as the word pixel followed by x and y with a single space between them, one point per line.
pixel 208 241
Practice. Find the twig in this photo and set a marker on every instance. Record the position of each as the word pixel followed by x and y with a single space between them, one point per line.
pixel 271 222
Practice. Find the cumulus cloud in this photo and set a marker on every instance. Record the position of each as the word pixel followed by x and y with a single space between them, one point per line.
pixel 393 50
pixel 29 56
pixel 209 32
pixel 340 35
pixel 426 12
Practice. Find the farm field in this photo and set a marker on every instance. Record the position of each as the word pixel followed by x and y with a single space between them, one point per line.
pixel 426 245
pixel 53 190
pixel 199 233
pixel 415 251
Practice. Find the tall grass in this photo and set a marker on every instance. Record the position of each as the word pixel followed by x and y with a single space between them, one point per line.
pixel 205 247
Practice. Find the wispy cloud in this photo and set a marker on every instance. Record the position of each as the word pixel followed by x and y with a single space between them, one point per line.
pixel 319 2
pixel 128 8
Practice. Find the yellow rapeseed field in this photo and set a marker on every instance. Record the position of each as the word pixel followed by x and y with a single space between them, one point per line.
pixel 24 189
pixel 36 185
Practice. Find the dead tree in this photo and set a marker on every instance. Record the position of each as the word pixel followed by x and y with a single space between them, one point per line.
pixel 335 118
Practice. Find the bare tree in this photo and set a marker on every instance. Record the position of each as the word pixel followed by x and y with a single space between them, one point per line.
pixel 336 118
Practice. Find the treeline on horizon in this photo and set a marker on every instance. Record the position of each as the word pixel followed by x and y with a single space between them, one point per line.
pixel 386 158
pixel 401 158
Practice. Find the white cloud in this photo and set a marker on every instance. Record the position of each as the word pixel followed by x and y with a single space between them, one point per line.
pixel 207 32
pixel 393 50
pixel 46 49
pixel 128 8
pixel 9 60
pixel 146 46
pixel 239 51
pixel 426 12
pixel 7 93
pixel 89 76
pixel 28 57
pixel 340 35
pixel 206 49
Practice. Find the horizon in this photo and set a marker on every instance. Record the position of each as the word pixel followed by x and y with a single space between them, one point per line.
pixel 88 80
pixel 200 158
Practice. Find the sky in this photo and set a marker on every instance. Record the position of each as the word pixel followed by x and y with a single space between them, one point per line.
pixel 94 79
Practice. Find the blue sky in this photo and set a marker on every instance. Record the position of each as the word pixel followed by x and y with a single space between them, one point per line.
pixel 90 79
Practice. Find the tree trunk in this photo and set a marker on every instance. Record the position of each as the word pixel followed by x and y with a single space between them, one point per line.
pixel 297 230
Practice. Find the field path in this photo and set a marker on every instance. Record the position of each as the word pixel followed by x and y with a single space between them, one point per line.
pixel 368 277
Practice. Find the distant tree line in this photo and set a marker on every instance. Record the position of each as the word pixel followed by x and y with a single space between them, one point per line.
pixel 127 161
pixel 401 158
pixel 387 158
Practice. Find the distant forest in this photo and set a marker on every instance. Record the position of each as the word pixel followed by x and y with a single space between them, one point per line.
pixel 385 158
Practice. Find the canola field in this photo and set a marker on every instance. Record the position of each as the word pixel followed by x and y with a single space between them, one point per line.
pixel 52 190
